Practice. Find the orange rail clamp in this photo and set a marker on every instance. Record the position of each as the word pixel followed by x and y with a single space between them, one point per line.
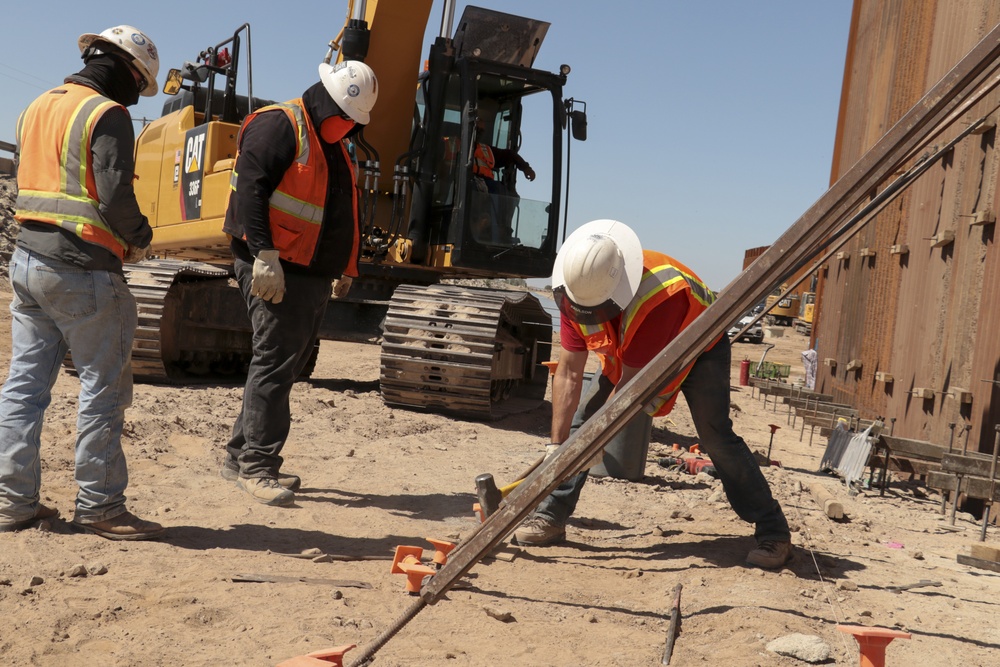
pixel 441 551
pixel 873 642
pixel 407 561
pixel 478 509
pixel 324 658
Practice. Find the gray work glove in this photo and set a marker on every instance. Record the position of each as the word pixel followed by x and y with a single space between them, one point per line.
pixel 268 277
pixel 134 253
pixel 342 287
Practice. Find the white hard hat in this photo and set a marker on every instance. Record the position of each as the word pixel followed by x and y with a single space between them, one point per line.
pixel 353 86
pixel 135 44
pixel 597 271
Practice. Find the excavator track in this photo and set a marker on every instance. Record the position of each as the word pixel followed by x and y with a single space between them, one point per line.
pixel 169 346
pixel 470 352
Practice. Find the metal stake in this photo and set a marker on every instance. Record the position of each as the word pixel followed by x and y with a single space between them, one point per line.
pixel 945 494
pixel 993 473
pixel 774 427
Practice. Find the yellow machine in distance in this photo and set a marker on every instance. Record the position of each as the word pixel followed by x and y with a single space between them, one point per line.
pixel 804 321
pixel 781 311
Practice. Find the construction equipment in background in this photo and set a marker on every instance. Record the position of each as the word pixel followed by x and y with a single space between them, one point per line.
pixel 7 164
pixel 804 321
pixel 472 352
pixel 781 310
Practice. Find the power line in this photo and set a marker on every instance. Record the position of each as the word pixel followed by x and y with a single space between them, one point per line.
pixel 46 82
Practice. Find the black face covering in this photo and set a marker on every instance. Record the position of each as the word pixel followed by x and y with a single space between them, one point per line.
pixel 113 76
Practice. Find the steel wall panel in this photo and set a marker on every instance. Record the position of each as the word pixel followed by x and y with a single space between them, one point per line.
pixel 929 318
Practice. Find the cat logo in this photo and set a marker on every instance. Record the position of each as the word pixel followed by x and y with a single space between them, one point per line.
pixel 193 152
pixel 192 171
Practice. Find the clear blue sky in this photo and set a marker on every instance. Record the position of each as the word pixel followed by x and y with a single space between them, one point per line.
pixel 711 122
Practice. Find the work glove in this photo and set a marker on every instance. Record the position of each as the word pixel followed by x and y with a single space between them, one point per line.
pixel 550 450
pixel 134 253
pixel 342 287
pixel 268 277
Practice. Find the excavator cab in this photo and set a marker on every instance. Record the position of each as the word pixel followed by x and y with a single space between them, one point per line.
pixel 463 217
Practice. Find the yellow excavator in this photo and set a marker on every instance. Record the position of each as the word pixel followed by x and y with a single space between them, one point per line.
pixel 804 322
pixel 781 311
pixel 472 352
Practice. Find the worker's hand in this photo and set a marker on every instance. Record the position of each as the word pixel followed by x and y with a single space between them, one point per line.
pixel 268 277
pixel 529 173
pixel 342 287
pixel 135 254
pixel 550 450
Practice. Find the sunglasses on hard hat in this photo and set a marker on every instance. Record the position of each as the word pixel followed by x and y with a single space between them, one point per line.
pixel 586 315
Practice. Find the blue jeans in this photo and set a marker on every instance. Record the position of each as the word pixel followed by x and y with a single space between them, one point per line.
pixel 283 339
pixel 706 390
pixel 59 307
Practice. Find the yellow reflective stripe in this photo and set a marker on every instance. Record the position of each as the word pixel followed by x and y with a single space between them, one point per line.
pixel 296 208
pixel 659 278
pixel 76 144
pixel 302 148
pixel 232 180
pixel 302 138
pixel 75 210
pixel 591 329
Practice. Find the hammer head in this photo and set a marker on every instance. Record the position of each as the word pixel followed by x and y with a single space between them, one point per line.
pixel 488 493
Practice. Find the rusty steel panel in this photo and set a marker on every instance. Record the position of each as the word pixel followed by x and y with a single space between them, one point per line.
pixel 927 317
pixel 752 254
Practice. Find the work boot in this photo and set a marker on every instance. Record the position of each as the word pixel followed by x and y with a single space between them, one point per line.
pixel 41 513
pixel 266 490
pixel 540 531
pixel 125 526
pixel 770 554
pixel 232 473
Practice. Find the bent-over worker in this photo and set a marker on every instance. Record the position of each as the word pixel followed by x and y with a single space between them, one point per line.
pixel 627 304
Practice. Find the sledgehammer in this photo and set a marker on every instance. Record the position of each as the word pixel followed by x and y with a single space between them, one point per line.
pixel 490 496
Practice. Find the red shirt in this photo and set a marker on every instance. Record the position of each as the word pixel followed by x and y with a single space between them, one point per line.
pixel 656 331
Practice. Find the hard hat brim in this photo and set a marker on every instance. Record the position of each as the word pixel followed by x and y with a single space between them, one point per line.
pixel 629 245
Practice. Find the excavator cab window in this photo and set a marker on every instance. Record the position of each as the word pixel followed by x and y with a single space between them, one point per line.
pixel 498 215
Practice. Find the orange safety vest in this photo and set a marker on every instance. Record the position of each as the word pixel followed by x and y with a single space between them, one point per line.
pixel 483 161
pixel 296 206
pixel 662 278
pixel 55 177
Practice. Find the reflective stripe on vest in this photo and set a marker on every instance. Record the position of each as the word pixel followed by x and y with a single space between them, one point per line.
pixel 59 188
pixel 662 278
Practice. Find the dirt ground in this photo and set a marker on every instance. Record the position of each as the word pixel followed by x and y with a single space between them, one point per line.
pixel 376 477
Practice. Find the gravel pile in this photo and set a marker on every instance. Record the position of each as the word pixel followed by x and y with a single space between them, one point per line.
pixel 8 226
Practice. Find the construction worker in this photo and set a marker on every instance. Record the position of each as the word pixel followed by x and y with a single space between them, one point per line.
pixel 79 221
pixel 293 217
pixel 493 221
pixel 626 304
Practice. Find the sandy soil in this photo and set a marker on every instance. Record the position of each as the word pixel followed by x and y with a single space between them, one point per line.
pixel 375 478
